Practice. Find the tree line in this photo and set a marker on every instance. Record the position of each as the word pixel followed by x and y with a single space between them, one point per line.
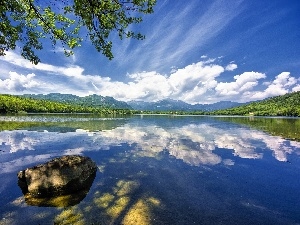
pixel 285 105
pixel 17 104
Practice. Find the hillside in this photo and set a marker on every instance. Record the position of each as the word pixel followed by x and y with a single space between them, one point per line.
pixel 284 105
pixel 17 104
pixel 97 101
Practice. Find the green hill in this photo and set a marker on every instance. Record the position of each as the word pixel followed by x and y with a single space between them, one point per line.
pixel 17 104
pixel 97 101
pixel 284 105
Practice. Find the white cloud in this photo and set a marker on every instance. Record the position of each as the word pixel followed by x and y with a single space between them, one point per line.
pixel 17 60
pixel 194 80
pixel 148 86
pixel 187 84
pixel 244 82
pixel 284 79
pixel 296 88
pixel 194 83
pixel 193 75
pixel 18 83
pixel 231 67
pixel 279 86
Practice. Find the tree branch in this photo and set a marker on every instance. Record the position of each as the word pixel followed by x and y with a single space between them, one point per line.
pixel 39 15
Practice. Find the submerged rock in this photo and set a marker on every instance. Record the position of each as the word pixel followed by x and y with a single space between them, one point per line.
pixel 57 179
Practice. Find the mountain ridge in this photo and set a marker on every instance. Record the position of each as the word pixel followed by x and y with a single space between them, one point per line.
pixel 87 101
pixel 167 104
pixel 178 105
pixel 282 105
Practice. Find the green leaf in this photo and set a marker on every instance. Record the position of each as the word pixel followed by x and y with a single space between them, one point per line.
pixel 26 23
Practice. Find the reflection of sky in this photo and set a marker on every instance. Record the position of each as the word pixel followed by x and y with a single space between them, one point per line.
pixel 195 144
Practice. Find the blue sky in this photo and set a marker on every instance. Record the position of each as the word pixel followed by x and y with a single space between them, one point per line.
pixel 198 51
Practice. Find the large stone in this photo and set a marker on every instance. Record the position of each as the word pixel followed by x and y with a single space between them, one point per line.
pixel 61 176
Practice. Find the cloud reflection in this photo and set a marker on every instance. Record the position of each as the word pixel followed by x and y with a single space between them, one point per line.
pixel 195 144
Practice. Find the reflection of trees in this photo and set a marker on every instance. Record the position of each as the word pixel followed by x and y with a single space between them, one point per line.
pixel 15 135
pixel 63 123
pixel 288 128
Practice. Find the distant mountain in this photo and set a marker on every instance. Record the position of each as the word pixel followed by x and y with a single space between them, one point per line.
pixel 218 105
pixel 172 105
pixel 91 100
pixel 162 105
pixel 285 105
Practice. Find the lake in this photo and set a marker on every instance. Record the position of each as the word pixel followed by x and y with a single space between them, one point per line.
pixel 159 169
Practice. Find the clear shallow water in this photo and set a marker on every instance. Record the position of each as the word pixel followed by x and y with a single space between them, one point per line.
pixel 158 169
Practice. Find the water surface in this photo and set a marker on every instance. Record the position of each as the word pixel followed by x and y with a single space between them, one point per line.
pixel 159 169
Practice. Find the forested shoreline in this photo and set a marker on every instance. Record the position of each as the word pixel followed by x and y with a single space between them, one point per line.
pixel 285 105
pixel 10 104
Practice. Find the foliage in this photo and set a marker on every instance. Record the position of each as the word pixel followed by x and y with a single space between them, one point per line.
pixel 16 104
pixel 87 101
pixel 285 105
pixel 283 127
pixel 57 125
pixel 28 22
